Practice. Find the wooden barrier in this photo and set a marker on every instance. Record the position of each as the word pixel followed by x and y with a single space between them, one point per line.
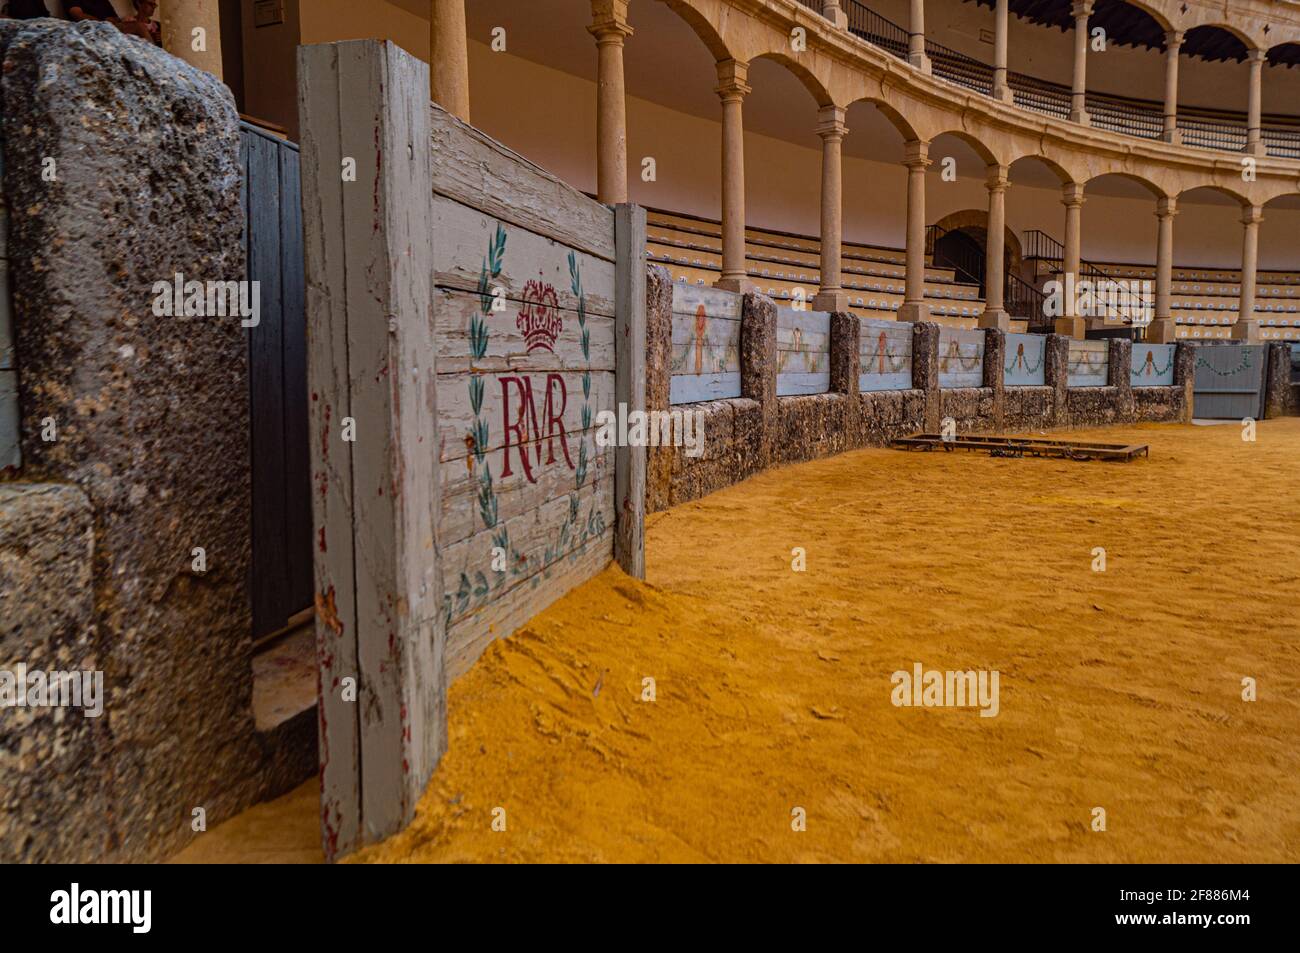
pixel 1089 363
pixel 473 321
pixel 803 350
pixel 1152 365
pixel 705 344
pixel 885 355
pixel 1026 364
pixel 961 357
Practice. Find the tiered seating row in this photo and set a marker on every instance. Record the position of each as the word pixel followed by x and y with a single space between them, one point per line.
pixel 787 268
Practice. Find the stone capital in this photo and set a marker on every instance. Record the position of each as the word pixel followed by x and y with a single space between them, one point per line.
pixel 916 154
pixel 732 76
pixel 1252 215
pixel 1173 40
pixel 998 178
pixel 830 122
pixel 1166 207
pixel 1081 9
pixel 1256 57
pixel 1072 195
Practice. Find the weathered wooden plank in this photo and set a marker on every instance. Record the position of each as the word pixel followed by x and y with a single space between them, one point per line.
pixel 9 443
pixel 270 578
pixel 532 265
pixel 1089 364
pixel 529 541
pixel 507 348
pixel 457 421
pixel 391 369
pixel 691 388
pixel 297 450
pixel 884 356
pixel 322 121
pixel 480 172
pixel 464 509
pixel 1025 363
pixel 467 639
pixel 795 383
pixel 961 357
pixel 375 95
pixel 630 387
pixel 688 299
pixel 809 323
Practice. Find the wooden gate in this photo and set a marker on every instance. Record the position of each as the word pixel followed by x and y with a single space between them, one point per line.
pixel 1229 381
pixel 281 583
pixel 474 323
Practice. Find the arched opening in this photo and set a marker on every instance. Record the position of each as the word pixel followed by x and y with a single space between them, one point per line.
pixel 963 236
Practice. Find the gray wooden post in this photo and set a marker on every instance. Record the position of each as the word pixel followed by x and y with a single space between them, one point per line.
pixel 10 456
pixel 630 384
pixel 369 244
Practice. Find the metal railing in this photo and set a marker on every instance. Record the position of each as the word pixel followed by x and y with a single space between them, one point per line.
pixel 1144 119
pixel 1039 247
pixel 1023 300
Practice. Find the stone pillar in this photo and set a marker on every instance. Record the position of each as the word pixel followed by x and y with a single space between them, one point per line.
pixel 1081 10
pixel 925 371
pixel 832 131
pixel 916 37
pixel 832 11
pixel 609 27
pixel 1254 138
pixel 1185 379
pixel 995 312
pixel 1247 327
pixel 846 353
pixel 995 373
pixel 1056 375
pixel 758 366
pixel 449 57
pixel 732 89
pixel 916 157
pixel 1001 90
pixel 1070 324
pixel 1162 329
pixel 1119 375
pixel 1173 42
pixel 1280 395
pixel 180 19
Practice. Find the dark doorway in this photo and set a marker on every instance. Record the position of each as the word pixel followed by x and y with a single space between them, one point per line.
pixel 281 583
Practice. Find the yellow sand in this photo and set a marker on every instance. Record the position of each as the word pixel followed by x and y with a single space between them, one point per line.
pixel 1120 690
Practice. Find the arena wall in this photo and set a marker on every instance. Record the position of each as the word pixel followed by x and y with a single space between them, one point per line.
pixel 759 429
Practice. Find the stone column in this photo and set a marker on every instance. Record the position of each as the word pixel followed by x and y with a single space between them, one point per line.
pixel 732 89
pixel 916 157
pixel 179 19
pixel 832 11
pixel 1070 323
pixel 1162 329
pixel 1254 139
pixel 916 37
pixel 1173 43
pixel 995 312
pixel 1081 10
pixel 1000 88
pixel 1247 326
pixel 609 27
pixel 449 57
pixel 832 130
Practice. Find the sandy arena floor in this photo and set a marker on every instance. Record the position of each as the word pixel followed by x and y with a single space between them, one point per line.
pixel 1119 690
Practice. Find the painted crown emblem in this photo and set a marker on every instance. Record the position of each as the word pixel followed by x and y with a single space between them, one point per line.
pixel 539 318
